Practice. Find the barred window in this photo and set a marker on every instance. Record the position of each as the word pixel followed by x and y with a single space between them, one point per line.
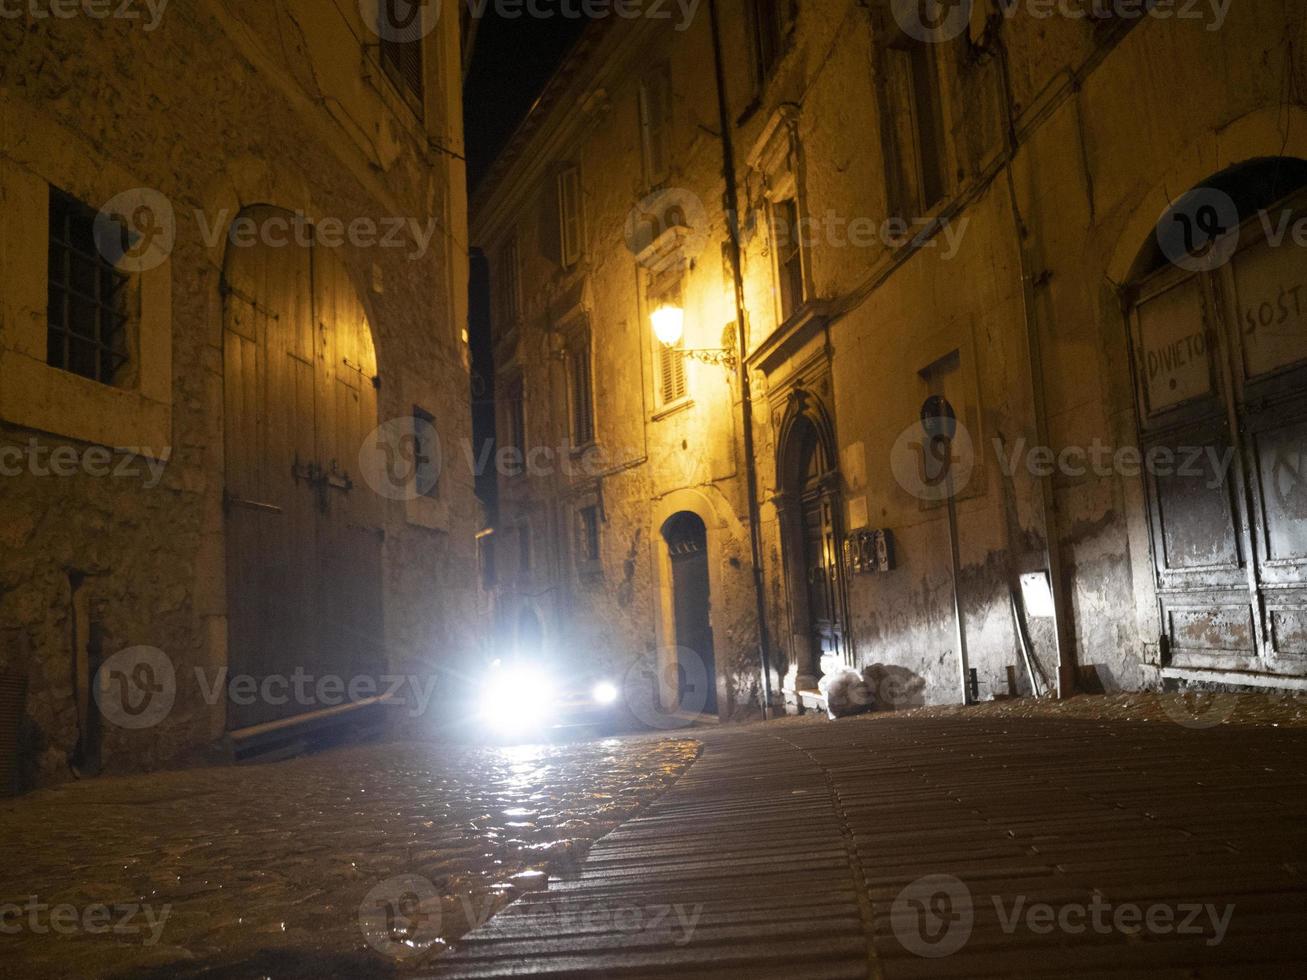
pixel 87 296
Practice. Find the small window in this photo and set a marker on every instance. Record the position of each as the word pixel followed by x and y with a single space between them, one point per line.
pixel 581 393
pixel 671 373
pixel 570 224
pixel 87 296
pixel 655 124
pixel 426 453
pixel 769 20
pixel 515 411
pixel 510 294
pixel 789 257
pixel 587 534
pixel 401 31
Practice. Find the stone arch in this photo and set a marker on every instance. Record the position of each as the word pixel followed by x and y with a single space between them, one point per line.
pixel 723 533
pixel 1278 131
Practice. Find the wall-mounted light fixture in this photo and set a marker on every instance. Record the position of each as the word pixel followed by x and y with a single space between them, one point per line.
pixel 668 322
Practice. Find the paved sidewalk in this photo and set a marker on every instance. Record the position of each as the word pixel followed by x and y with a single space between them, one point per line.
pixel 963 846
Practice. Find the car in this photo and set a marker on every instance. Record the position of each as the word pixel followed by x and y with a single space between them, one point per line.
pixel 534 698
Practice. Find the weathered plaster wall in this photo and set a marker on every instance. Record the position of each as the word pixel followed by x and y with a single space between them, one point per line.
pixel 1110 126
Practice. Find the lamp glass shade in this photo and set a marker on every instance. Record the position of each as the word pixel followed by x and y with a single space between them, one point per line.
pixel 668 324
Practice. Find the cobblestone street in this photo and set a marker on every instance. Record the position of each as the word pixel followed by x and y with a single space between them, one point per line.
pixel 1127 836
pixel 241 866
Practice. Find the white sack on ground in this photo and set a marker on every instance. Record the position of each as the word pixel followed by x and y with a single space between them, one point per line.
pixel 845 691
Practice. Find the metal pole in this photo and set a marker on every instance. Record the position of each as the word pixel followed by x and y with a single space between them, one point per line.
pixel 742 371
pixel 955 564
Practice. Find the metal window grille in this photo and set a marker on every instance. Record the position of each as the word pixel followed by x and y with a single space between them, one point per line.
pixel 87 296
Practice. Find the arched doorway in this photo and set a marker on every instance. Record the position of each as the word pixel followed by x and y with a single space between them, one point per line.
pixel 1218 327
pixel 696 667
pixel 303 531
pixel 810 505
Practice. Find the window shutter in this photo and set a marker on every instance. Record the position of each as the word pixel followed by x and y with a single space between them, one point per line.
pixel 569 215
pixel 582 396
pixel 401 48
pixel 655 118
pixel 671 374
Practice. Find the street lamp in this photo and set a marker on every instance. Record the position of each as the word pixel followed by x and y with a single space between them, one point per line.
pixel 668 324
pixel 669 327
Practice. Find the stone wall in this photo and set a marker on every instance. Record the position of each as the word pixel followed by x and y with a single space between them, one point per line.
pixel 217 107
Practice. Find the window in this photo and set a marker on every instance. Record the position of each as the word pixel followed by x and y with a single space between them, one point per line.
pixel 655 124
pixel 587 534
pixel 87 296
pixel 671 373
pixel 769 22
pixel 570 224
pixel 914 129
pixel 401 30
pixel 515 403
pixel 789 256
pixel 581 392
pixel 426 453
pixel 510 295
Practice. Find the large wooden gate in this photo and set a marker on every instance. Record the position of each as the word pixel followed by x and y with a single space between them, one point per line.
pixel 1221 369
pixel 303 536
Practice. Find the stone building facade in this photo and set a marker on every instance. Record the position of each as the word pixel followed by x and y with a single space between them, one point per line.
pixel 232 245
pixel 1042 242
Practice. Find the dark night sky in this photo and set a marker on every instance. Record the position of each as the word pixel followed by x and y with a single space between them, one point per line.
pixel 511 61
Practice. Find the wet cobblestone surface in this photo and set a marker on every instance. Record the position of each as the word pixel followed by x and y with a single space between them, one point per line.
pixel 264 869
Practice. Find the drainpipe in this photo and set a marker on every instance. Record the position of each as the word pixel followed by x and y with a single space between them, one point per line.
pixel 1066 667
pixel 730 204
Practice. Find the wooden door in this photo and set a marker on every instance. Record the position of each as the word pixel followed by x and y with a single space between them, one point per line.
pixel 687 545
pixel 821 552
pixel 303 538
pixel 1221 368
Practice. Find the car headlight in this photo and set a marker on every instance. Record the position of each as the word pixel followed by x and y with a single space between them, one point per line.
pixel 517 700
pixel 605 692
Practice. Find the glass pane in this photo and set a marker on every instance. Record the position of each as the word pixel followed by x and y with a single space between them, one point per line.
pixel 1271 292
pixel 1175 365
